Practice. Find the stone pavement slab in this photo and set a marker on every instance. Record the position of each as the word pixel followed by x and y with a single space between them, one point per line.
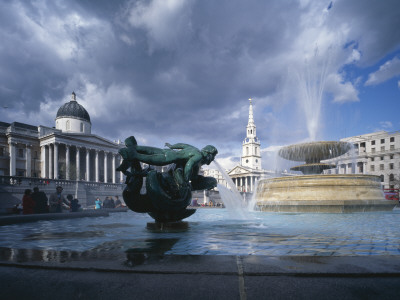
pixel 202 277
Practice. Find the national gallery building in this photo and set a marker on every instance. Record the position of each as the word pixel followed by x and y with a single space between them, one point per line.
pixel 68 151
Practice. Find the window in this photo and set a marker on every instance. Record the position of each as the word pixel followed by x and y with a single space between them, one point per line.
pixel 247 150
pixel 68 125
pixel 373 143
pixel 391 156
pixel 392 139
pixel 382 157
pixel 391 166
pixel 372 168
pixel 382 141
pixel 81 127
pixel 391 147
pixel 381 167
pixel 372 158
pixel 383 148
pixel 1 151
pixel 373 150
pixel 382 178
pixel 20 153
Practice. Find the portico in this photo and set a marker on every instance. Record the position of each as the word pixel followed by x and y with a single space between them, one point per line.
pixel 63 158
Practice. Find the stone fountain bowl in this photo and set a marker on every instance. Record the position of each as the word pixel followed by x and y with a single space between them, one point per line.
pixel 314 151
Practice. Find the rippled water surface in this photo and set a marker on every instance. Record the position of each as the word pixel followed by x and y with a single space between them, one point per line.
pixel 213 232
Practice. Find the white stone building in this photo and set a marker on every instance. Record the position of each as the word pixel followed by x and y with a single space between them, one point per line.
pixel 375 153
pixel 249 170
pixel 69 151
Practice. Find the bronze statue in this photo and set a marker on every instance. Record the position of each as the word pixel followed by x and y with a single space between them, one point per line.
pixel 168 193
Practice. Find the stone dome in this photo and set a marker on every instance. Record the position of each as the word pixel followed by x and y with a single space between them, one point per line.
pixel 73 109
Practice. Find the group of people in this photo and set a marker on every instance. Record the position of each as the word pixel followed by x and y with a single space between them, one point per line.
pixel 108 203
pixel 38 203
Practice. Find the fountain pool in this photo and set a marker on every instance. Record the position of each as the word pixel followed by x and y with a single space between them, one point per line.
pixel 211 232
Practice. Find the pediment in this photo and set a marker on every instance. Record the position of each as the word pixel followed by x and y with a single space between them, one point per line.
pixel 239 170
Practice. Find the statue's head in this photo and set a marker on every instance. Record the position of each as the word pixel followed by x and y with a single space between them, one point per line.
pixel 209 152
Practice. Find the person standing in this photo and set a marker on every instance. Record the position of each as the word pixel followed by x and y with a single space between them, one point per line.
pixel 57 201
pixel 40 198
pixel 97 203
pixel 27 203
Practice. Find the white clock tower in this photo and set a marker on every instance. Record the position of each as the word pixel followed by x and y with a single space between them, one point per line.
pixel 251 156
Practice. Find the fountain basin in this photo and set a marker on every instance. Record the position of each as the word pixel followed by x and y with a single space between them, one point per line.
pixel 334 193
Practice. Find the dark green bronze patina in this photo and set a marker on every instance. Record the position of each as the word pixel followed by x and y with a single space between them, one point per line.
pixel 168 193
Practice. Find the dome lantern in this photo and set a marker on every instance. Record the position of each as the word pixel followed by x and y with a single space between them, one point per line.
pixel 73 117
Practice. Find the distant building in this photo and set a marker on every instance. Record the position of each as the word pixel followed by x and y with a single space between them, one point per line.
pixel 69 151
pixel 375 153
pixel 249 170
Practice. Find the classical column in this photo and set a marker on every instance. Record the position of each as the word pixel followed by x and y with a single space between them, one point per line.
pixel 113 168
pixel 105 166
pixel 43 161
pixel 241 184
pixel 97 165
pixel 87 164
pixel 251 184
pixel 245 184
pixel 67 163
pixel 50 162
pixel 13 159
pixel 55 160
pixel 78 163
pixel 28 163
pixel 365 168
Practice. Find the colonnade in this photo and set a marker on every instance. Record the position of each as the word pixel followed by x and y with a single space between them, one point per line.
pixel 245 183
pixel 84 167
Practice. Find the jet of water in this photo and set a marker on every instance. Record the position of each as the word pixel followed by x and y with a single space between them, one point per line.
pixel 231 197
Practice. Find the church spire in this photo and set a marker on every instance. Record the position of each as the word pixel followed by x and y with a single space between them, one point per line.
pixel 251 156
pixel 251 119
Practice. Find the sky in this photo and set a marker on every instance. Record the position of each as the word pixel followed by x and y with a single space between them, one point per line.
pixel 183 70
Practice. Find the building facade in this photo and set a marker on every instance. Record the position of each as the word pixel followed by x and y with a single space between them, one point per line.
pixel 246 174
pixel 69 151
pixel 375 153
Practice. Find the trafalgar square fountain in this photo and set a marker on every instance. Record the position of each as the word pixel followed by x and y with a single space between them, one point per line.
pixel 316 192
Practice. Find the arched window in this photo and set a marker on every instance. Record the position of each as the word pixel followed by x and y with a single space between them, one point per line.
pixel 68 125
pixel 391 177
pixel 382 178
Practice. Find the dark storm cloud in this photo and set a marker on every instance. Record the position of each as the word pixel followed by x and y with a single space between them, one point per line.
pixel 172 69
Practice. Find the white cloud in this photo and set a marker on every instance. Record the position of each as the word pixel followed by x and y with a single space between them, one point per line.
pixel 388 70
pixel 386 124
pixel 341 91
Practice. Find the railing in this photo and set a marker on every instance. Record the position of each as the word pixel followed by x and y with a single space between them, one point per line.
pixel 33 181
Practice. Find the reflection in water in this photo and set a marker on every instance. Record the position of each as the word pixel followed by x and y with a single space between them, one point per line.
pixel 210 232
pixel 152 249
pixel 62 235
pixel 113 225
pixel 138 252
